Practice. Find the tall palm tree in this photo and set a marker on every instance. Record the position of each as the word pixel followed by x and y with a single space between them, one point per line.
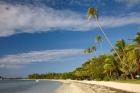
pixel 99 40
pixel 106 37
pixel 131 60
pixel 123 49
pixel 120 46
pixel 137 49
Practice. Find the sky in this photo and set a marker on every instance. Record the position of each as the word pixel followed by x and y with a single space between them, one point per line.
pixel 40 36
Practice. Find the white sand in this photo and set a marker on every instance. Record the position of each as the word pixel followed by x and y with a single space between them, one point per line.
pixel 72 86
pixel 122 86
pixel 76 87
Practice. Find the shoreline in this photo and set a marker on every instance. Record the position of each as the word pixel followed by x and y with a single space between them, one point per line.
pixel 116 85
pixel 113 86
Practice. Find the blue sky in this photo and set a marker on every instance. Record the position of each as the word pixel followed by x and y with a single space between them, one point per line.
pixel 50 35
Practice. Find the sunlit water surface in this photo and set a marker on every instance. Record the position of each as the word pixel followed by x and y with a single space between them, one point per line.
pixel 28 86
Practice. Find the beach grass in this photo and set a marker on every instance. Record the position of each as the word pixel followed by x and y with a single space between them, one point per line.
pixel 129 81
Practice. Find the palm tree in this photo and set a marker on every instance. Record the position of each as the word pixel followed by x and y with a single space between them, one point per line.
pixel 127 65
pixel 137 38
pixel 120 46
pixel 93 48
pixel 90 50
pixel 87 51
pixel 110 65
pixel 99 40
pixel 137 49
pixel 137 53
pixel 130 63
pixel 123 65
pixel 108 69
pixel 92 12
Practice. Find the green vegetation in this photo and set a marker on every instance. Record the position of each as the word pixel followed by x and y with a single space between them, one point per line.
pixel 105 66
pixel 51 76
pixel 129 81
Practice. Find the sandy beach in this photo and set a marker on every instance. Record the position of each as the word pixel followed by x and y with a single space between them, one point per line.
pixel 71 86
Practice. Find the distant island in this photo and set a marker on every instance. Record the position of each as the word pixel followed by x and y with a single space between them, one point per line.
pixel 122 64
pixel 6 78
pixel 1 78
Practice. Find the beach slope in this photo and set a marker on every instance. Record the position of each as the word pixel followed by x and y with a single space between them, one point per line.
pixel 72 86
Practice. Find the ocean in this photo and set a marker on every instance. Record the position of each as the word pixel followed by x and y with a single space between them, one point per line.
pixel 28 86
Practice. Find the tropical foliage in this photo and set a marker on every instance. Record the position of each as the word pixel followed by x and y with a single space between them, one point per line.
pixel 105 66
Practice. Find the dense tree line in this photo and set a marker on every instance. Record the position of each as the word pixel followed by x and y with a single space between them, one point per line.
pixel 52 76
pixel 105 66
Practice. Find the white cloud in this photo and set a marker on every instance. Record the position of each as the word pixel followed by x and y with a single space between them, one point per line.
pixel 34 19
pixel 28 19
pixel 121 21
pixel 17 60
pixel 129 3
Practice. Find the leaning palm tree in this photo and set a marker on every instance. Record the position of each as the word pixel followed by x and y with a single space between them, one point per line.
pixel 92 12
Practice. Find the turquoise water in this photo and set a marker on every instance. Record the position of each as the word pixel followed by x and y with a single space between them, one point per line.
pixel 28 86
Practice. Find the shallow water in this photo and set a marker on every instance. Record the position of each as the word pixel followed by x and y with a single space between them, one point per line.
pixel 28 86
pixel 45 86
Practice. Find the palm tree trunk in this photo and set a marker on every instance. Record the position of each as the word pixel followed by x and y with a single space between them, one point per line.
pixel 107 74
pixel 110 73
pixel 107 38
pixel 138 64
pixel 132 76
pixel 117 74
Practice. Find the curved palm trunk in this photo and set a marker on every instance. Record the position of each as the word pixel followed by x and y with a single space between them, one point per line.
pixel 107 37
